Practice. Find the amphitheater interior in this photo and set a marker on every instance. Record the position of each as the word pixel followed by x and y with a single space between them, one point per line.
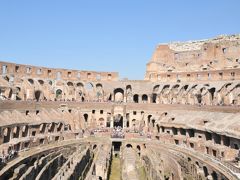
pixel 181 122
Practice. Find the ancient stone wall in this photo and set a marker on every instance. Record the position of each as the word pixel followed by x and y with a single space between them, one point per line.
pixel 181 122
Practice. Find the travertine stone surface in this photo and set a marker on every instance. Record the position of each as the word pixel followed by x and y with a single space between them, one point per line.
pixel 180 122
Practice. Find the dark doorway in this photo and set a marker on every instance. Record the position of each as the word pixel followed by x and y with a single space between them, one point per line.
pixel 116 146
pixel 144 98
pixel 6 137
pixel 59 93
pixel 154 98
pixel 118 121
pixel 135 98
pixel 37 95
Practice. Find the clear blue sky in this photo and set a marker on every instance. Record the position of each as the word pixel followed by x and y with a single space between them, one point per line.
pixel 106 35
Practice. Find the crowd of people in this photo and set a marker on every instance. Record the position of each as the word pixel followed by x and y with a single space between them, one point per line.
pixel 118 132
pixel 4 158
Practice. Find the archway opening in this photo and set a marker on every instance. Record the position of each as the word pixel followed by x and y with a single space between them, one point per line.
pixel 118 121
pixel 59 94
pixel 149 118
pixel 25 131
pixel 214 175
pixel 135 98
pixel 70 84
pixel 37 95
pixel 144 98
pixel 6 137
pixel 154 98
pixel 16 131
pixel 101 122
pixel 205 170
pixel 86 117
pixel 116 146
pixel 129 146
pixel 212 91
pixel 118 95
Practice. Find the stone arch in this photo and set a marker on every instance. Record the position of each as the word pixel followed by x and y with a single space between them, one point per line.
pixel 85 117
pixel 80 91
pixel 18 93
pixel 212 92
pixel 118 95
pixel 79 84
pixel 31 81
pixel 158 128
pixel 109 97
pixel 99 85
pixel 182 131
pixel 197 164
pixel 176 86
pixel 70 84
pixel 67 127
pixel 174 130
pixel 41 82
pixel 10 92
pixel 144 98
pixel 136 98
pixel 149 118
pixel 227 84
pixel 82 99
pixel 89 86
pixel 162 129
pixel 129 95
pixel 205 171
pixel 118 121
pixel 16 131
pixel 25 131
pixel 166 86
pixel 42 128
pixel 6 78
pixel 134 123
pixel 51 127
pixel 139 147
pixel 128 87
pixel 50 82
pixel 94 146
pixel 236 95
pixel 185 87
pixel 199 98
pixel 59 127
pixel 154 98
pixel 99 91
pixel 101 121
pixel 127 123
pixel 59 93
pixel 153 122
pixel 38 95
pixel 128 145
pixel 156 88
pixel 214 175
pixel 6 135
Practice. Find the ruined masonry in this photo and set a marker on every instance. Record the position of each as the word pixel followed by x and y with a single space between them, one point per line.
pixel 181 122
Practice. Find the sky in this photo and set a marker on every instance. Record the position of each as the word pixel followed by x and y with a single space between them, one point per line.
pixel 106 35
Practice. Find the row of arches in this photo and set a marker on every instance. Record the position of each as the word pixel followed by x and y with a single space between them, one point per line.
pixel 205 94
pixel 228 94
pixel 20 131
pixel 207 172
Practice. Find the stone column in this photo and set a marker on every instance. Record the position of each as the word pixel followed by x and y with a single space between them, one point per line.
pixel 111 122
pixel 149 98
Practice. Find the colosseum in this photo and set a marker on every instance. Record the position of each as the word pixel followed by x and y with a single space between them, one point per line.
pixel 182 122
